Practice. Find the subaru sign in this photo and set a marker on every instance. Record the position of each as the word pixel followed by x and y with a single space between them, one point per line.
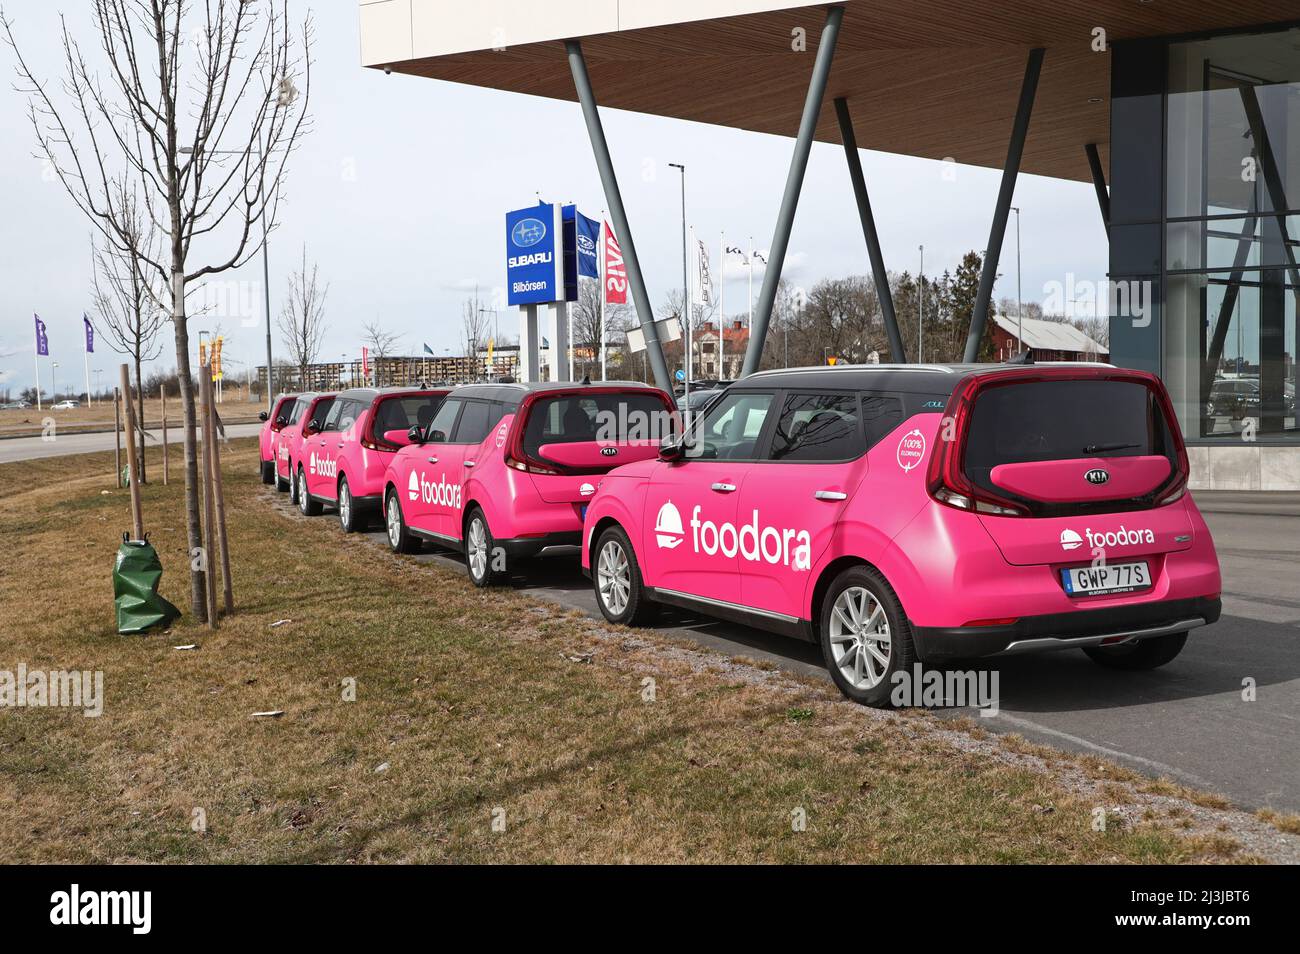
pixel 534 255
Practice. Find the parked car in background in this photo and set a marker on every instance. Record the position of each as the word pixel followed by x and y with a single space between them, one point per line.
pixel 897 513
pixel 344 463
pixel 65 405
pixel 266 438
pixel 15 406
pixel 505 471
pixel 308 408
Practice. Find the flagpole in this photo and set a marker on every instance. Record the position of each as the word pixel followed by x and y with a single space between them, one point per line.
pixel 36 360
pixel 601 304
pixel 751 284
pixel 89 401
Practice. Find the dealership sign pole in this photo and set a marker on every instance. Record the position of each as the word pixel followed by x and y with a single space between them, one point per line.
pixel 42 348
pixel 90 347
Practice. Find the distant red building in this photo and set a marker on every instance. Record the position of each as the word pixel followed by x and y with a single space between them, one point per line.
pixel 1046 340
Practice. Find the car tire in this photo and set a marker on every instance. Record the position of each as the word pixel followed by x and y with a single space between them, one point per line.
pixel 347 508
pixel 290 485
pixel 479 550
pixel 616 579
pixel 400 540
pixel 1144 654
pixel 865 636
pixel 308 506
pixel 268 471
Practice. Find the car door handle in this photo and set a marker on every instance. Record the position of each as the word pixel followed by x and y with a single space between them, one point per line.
pixel 831 495
pixel 469 463
pixel 724 488
pixel 340 444
pixel 432 460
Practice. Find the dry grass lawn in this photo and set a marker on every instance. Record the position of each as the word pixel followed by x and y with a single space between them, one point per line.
pixel 18 423
pixel 470 706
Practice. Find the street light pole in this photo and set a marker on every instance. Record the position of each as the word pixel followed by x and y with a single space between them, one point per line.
pixel 686 297
pixel 920 304
pixel 1020 304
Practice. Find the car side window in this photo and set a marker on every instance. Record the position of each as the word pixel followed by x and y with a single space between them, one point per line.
pixel 881 413
pixel 731 428
pixel 475 422
pixel 445 419
pixel 335 414
pixel 818 427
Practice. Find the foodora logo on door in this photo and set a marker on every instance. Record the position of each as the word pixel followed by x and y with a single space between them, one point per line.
pixel 751 541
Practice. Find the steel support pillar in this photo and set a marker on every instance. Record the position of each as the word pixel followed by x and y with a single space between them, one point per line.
pixel 878 273
pixel 988 274
pixel 1099 183
pixel 609 181
pixel 793 186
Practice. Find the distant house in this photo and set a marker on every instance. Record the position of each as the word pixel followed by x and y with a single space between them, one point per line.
pixel 1046 340
pixel 719 353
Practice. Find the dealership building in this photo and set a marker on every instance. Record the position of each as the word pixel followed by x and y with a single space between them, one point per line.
pixel 1183 114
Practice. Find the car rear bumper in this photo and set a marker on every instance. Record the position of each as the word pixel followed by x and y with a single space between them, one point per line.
pixel 1067 630
pixel 523 547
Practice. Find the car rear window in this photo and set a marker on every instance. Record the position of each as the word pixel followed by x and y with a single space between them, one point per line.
pixel 1063 420
pixel 611 418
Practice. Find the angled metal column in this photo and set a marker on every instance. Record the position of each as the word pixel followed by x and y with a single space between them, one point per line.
pixel 1000 212
pixel 793 186
pixel 640 297
pixel 1099 182
pixel 878 273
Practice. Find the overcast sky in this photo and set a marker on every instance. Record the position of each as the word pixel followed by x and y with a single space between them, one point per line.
pixel 400 191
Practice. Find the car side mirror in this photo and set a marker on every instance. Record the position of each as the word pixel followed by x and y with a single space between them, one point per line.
pixel 397 436
pixel 415 435
pixel 672 448
pixel 262 416
pixel 437 437
pixel 281 421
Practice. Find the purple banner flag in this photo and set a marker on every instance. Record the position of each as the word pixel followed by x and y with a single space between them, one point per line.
pixel 90 335
pixel 42 342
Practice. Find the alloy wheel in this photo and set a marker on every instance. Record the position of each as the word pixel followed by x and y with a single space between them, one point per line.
pixel 394 522
pixel 345 505
pixel 478 548
pixel 614 576
pixel 859 637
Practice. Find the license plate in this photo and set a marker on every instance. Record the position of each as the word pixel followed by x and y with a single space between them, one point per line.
pixel 1111 578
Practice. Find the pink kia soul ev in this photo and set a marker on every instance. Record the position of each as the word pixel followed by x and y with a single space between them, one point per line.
pixel 911 512
pixel 267 435
pixel 344 461
pixel 504 472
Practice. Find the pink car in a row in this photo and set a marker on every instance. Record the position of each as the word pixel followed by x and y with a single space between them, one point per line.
pixel 505 471
pixel 896 513
pixel 304 418
pixel 342 462
pixel 267 437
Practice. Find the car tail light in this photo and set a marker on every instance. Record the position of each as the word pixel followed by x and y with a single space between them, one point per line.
pixel 1177 483
pixel 946 478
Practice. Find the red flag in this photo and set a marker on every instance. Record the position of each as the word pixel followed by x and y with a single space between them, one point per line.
pixel 365 362
pixel 615 271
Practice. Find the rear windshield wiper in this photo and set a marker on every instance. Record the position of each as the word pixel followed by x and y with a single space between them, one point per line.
pixel 1118 445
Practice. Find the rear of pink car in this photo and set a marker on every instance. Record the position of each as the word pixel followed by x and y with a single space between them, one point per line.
pixel 1059 517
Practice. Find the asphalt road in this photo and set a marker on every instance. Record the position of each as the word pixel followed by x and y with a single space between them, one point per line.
pixel 31 448
pixel 1187 721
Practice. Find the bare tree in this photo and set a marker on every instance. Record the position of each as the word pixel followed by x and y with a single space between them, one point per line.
pixel 380 341
pixel 474 326
pixel 302 318
pixel 198 103
pixel 125 309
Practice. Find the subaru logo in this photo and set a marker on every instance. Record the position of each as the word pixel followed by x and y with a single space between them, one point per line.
pixel 1097 476
pixel 608 451
pixel 528 232
pixel 586 244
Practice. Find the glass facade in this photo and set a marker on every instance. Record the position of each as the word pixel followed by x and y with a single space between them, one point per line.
pixel 1219 206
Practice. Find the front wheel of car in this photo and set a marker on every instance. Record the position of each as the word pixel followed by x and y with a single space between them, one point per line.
pixel 347 508
pixel 400 540
pixel 865 636
pixel 1144 654
pixel 268 471
pixel 616 577
pixel 480 551
pixel 309 507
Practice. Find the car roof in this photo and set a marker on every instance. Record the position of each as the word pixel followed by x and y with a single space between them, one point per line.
pixel 907 378
pixel 367 395
pixel 515 391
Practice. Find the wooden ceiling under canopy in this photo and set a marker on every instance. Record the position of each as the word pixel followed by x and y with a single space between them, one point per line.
pixel 930 78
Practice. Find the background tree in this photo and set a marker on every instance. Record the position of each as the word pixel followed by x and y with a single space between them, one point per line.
pixel 200 105
pixel 475 327
pixel 380 342
pixel 125 310
pixel 302 317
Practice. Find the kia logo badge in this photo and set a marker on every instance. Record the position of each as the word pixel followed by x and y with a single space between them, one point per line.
pixel 1097 476
pixel 608 451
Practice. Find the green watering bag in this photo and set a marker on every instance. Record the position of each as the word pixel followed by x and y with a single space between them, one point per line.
pixel 135 588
